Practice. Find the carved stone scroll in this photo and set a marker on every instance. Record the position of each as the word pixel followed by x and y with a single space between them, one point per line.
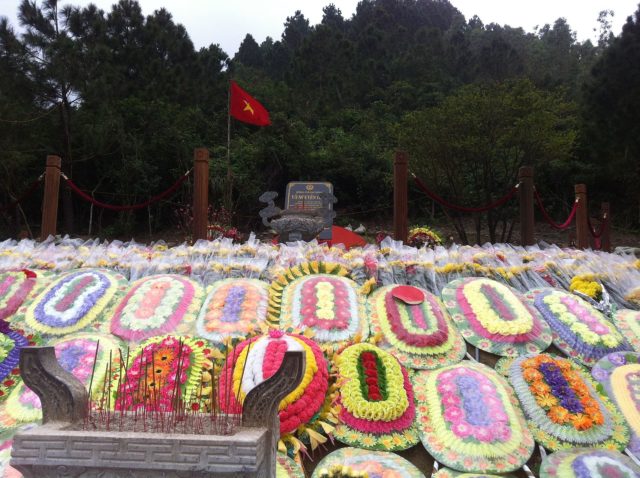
pixel 260 407
pixel 63 397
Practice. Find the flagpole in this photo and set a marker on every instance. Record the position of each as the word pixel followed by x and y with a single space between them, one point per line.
pixel 228 199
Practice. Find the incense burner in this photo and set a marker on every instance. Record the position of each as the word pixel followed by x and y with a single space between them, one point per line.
pixel 296 224
pixel 61 448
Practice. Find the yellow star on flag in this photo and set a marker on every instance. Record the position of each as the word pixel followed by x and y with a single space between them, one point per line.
pixel 248 107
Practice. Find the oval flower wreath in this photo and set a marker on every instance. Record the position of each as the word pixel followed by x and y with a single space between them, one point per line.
pixel 287 468
pixel 446 473
pixel 579 330
pixel 469 419
pixel 11 342
pixel 628 323
pixel 74 301
pixel 233 308
pixel 159 372
pixel 587 463
pixel 619 374
pixel 15 287
pixel 419 334
pixel 22 406
pixel 306 411
pixel 157 305
pixel 76 354
pixel 375 397
pixel 495 318
pixel 317 296
pixel 368 463
pixel 562 406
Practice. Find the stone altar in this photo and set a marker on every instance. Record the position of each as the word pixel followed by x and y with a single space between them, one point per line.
pixel 58 449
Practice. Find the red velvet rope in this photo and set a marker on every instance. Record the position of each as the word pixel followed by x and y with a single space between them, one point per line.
pixel 551 222
pixel 29 191
pixel 131 207
pixel 603 224
pixel 448 205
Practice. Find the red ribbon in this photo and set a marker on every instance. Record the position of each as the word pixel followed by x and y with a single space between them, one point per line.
pixel 131 207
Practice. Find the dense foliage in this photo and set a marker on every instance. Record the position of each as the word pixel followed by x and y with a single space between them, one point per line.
pixel 124 98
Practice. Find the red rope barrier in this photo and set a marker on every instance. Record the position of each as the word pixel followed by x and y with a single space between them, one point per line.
pixel 32 187
pixel 603 224
pixel 130 207
pixel 551 222
pixel 448 205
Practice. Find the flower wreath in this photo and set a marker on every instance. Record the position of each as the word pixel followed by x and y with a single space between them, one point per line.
pixel 6 470
pixel 588 462
pixel 578 329
pixel 306 416
pixel 446 473
pixel 21 406
pixel 495 318
pixel 317 296
pixel 74 301
pixel 423 237
pixel 233 308
pixel 562 406
pixel 11 342
pixel 157 372
pixel 619 374
pixel 470 420
pixel 377 411
pixel 420 335
pixel 76 354
pixel 15 287
pixel 371 463
pixel 157 305
pixel 628 323
pixel 287 468
pixel 160 371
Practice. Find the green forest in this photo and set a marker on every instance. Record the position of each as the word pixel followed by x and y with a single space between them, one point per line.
pixel 124 98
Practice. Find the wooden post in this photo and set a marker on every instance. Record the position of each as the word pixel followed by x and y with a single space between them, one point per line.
pixel 200 193
pixel 582 217
pixel 527 223
pixel 400 196
pixel 605 238
pixel 50 198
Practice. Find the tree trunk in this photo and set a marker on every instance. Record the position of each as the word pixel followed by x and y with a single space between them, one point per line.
pixel 511 224
pixel 492 225
pixel 458 226
pixel 477 220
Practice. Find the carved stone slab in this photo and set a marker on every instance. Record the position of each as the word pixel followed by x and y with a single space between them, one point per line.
pixel 54 451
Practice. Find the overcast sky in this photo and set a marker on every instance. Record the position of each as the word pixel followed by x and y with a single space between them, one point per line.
pixel 226 22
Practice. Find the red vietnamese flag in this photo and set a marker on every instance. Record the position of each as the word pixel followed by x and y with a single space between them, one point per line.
pixel 246 108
